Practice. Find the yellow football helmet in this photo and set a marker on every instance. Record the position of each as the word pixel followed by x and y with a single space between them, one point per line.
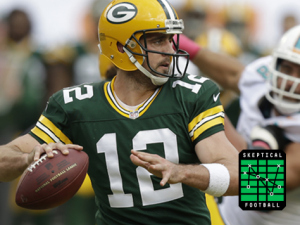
pixel 126 22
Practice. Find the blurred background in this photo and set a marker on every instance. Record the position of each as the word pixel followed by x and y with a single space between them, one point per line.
pixel 51 44
pixel 55 22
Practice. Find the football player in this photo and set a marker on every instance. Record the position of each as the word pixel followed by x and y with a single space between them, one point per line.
pixel 154 138
pixel 270 95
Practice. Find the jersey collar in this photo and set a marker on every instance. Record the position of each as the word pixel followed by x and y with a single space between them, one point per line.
pixel 111 98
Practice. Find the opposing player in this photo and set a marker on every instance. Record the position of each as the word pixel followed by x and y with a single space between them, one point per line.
pixel 270 95
pixel 270 117
pixel 145 121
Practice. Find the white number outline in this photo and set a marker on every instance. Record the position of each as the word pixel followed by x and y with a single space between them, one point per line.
pixel 78 93
pixel 108 145
pixel 194 87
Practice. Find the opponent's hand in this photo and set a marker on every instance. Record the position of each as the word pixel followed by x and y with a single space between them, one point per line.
pixel 156 165
pixel 48 149
pixel 268 137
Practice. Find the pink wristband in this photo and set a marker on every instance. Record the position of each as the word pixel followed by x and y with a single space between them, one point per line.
pixel 188 45
pixel 262 144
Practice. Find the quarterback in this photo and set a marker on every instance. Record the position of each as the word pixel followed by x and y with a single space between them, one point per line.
pixel 154 137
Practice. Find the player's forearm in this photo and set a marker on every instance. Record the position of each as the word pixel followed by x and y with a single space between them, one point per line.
pixel 198 176
pixel 12 163
pixel 223 69
pixel 218 178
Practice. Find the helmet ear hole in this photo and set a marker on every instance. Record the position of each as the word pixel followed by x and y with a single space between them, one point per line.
pixel 120 47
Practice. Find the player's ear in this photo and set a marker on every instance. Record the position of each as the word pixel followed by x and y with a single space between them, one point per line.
pixel 120 47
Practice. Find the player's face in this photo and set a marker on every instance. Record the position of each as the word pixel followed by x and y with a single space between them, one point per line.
pixel 291 69
pixel 162 43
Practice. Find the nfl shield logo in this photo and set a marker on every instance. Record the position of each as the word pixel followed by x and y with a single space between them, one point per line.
pixel 134 115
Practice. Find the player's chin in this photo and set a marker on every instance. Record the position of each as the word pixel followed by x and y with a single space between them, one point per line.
pixel 163 70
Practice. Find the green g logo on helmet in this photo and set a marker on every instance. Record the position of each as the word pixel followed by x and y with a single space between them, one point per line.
pixel 121 13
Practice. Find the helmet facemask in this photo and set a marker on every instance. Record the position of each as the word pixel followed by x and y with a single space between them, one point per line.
pixel 284 81
pixel 282 94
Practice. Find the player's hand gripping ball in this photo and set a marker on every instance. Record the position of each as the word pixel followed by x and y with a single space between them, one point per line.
pixel 50 182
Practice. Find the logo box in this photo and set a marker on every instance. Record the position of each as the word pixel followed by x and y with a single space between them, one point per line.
pixel 262 179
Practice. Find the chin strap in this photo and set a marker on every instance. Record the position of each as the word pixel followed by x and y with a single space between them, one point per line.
pixel 155 80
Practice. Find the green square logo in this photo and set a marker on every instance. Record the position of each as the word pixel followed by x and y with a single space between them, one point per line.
pixel 262 180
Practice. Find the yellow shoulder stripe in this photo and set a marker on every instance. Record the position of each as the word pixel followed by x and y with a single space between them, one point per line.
pixel 38 132
pixel 205 120
pixel 48 132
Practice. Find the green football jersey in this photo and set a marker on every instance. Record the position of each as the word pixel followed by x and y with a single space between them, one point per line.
pixel 177 116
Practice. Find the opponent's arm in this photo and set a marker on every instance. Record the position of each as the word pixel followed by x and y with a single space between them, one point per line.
pixel 223 69
pixel 233 136
pixel 272 137
pixel 292 166
pixel 214 150
pixel 19 153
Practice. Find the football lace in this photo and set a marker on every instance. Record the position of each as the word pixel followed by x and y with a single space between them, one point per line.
pixel 37 163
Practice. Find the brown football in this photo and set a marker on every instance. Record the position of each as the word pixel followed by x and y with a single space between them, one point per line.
pixel 50 182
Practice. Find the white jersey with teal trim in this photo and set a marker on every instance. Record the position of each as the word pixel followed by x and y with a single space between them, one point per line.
pixel 253 87
pixel 253 112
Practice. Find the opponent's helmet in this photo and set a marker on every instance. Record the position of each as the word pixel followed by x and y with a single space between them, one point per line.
pixel 284 97
pixel 126 22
